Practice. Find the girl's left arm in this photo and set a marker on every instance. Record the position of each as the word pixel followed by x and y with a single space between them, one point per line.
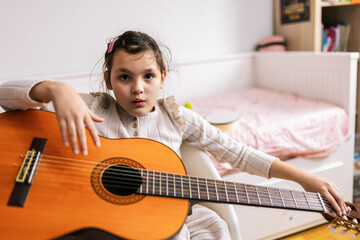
pixel 310 182
pixel 199 133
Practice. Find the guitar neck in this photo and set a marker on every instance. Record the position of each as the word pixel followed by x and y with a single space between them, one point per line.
pixel 202 189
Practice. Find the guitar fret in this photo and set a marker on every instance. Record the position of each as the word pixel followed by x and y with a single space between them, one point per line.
pixel 147 182
pixel 301 200
pixel 171 185
pixel 217 195
pixel 268 193
pixel 150 182
pixel 203 190
pixel 182 186
pixel 288 198
pixel 257 194
pixel 247 194
pixel 163 184
pixel 264 196
pixel 306 199
pixel 185 186
pixel 153 182
pixel 167 185
pixel 194 188
pixel 253 196
pixel 160 183
pixel 237 197
pixel 242 193
pixel 142 180
pixel 282 199
pixel 226 193
pixel 207 190
pixel 275 197
pixel 174 185
pixel 190 188
pixel 155 190
pixel 178 185
pixel 315 201
pixel 292 195
pixel 321 201
pixel 231 193
pixel 212 189
pixel 221 192
pixel 198 187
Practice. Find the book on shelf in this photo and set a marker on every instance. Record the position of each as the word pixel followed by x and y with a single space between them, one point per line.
pixel 335 1
pixel 335 38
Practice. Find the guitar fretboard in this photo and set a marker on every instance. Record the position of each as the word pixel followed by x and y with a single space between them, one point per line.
pixel 203 189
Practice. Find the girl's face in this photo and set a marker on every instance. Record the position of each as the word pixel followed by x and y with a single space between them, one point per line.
pixel 136 81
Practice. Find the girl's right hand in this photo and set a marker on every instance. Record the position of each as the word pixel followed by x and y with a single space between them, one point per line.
pixel 72 113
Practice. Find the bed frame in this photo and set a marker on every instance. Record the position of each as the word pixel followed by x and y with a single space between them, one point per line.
pixel 325 76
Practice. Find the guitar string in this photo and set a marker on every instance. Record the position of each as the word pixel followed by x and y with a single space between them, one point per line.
pixel 224 190
pixel 85 161
pixel 219 189
pixel 124 171
pixel 253 194
pixel 310 193
pixel 327 204
pixel 213 196
pixel 81 160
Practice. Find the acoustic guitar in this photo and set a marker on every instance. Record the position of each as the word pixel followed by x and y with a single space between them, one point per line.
pixel 128 189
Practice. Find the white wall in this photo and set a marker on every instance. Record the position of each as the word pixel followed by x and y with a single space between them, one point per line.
pixel 47 37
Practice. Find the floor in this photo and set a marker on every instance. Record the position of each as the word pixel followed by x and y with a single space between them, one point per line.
pixel 319 233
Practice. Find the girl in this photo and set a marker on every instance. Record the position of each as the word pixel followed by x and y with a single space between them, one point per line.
pixel 135 70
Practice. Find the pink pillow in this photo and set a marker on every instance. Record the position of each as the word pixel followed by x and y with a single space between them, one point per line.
pixel 273 43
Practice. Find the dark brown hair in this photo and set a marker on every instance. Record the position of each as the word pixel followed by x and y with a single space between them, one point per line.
pixel 133 42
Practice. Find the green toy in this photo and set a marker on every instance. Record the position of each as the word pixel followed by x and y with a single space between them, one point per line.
pixel 188 105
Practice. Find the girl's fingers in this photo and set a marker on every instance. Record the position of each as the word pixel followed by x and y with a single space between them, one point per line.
pixel 73 114
pixel 96 118
pixel 92 128
pixel 339 199
pixel 81 136
pixel 334 197
pixel 63 130
pixel 93 132
pixel 74 130
pixel 328 190
pixel 73 136
pixel 333 202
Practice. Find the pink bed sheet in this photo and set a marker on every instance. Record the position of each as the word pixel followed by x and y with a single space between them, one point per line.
pixel 281 124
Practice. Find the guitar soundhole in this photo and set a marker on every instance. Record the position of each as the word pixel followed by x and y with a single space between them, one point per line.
pixel 121 180
pixel 117 179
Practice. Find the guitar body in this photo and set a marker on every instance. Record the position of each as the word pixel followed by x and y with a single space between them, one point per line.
pixel 66 194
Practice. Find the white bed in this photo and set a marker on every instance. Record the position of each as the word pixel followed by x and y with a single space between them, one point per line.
pixel 328 77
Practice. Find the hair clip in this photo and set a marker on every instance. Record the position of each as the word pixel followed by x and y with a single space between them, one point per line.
pixel 111 45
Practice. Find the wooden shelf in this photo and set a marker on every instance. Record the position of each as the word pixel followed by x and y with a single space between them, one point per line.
pixel 335 4
pixel 307 35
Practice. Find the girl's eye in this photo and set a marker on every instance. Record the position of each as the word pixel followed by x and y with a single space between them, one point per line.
pixel 149 76
pixel 124 77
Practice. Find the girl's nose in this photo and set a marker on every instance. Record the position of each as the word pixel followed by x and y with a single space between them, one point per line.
pixel 138 87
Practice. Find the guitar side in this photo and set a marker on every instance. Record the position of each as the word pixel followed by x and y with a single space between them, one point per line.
pixel 62 198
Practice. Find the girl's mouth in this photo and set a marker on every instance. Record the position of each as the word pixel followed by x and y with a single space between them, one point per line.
pixel 138 102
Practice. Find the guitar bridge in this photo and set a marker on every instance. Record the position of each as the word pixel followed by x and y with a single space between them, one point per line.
pixel 27 173
pixel 27 169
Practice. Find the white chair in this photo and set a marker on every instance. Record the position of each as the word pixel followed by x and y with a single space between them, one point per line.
pixel 198 163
